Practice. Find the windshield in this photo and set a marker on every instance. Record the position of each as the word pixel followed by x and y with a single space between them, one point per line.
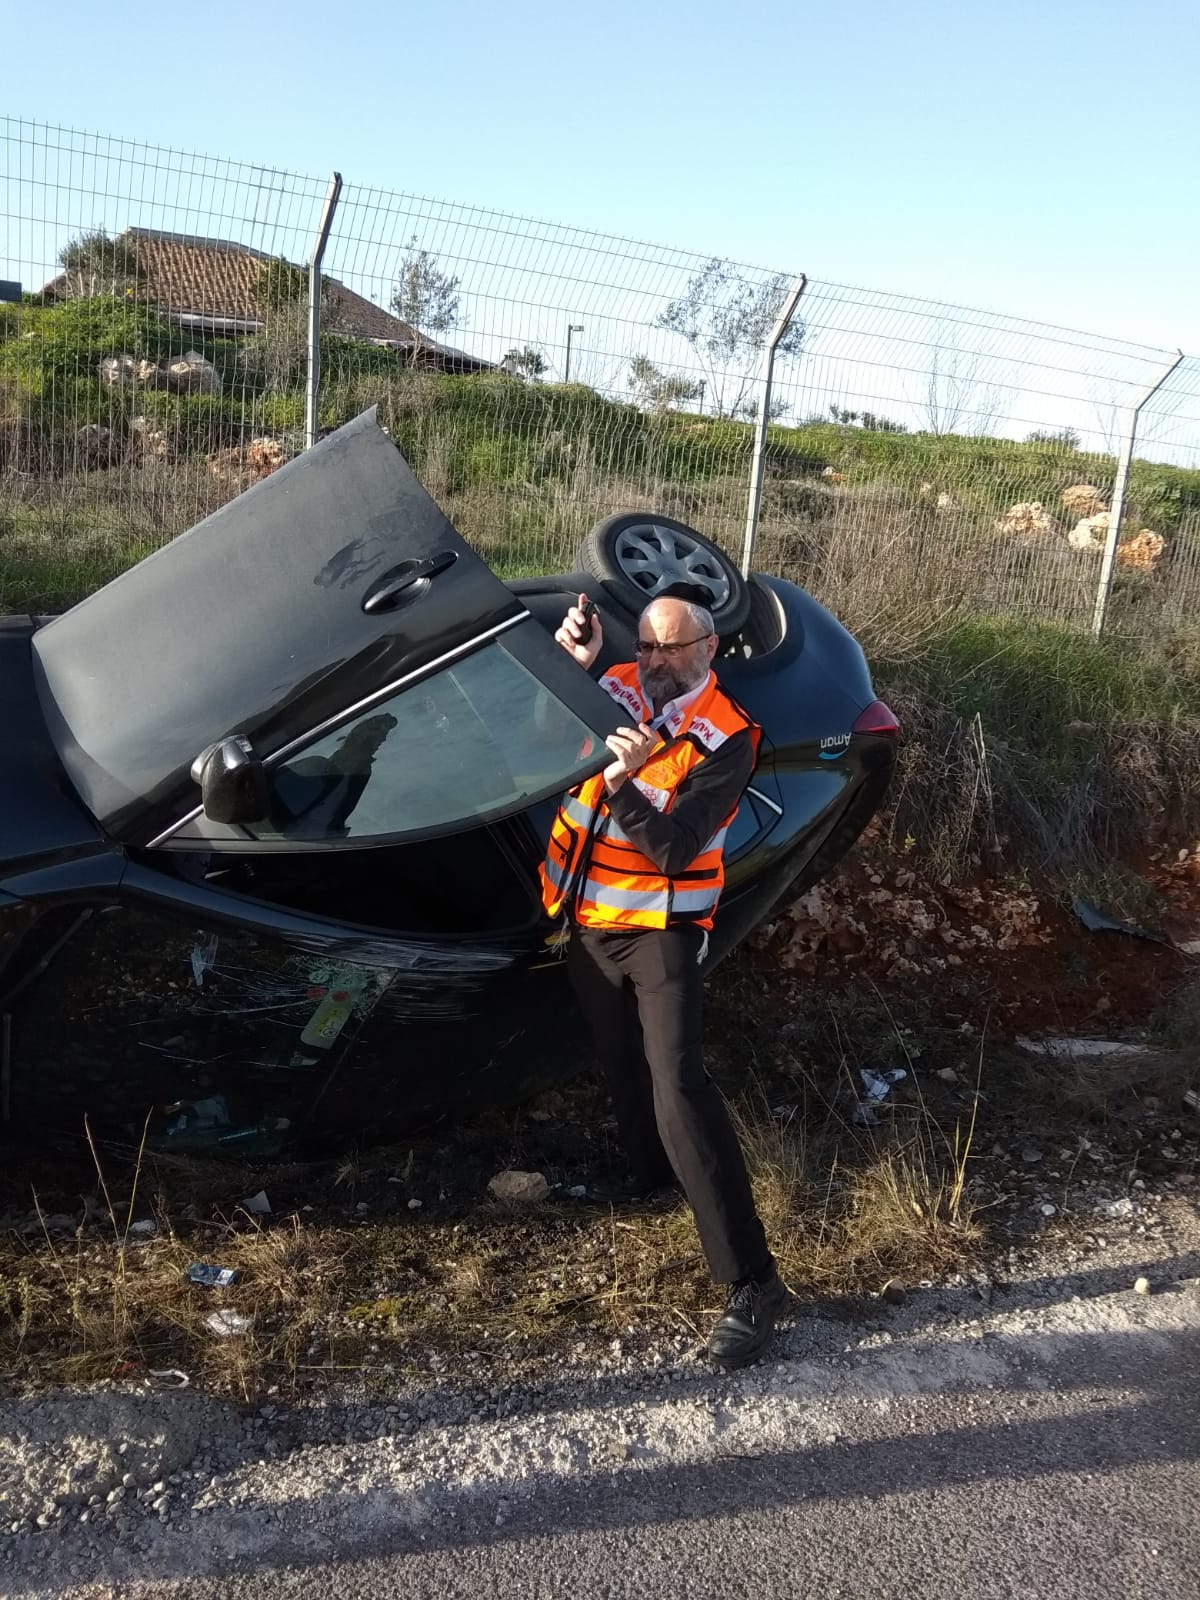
pixel 476 740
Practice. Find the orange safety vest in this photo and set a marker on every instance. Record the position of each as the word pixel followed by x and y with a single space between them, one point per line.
pixel 592 861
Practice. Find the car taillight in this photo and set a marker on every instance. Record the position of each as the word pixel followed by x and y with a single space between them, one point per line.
pixel 879 720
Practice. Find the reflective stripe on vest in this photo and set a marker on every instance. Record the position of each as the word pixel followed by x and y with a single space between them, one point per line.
pixel 592 862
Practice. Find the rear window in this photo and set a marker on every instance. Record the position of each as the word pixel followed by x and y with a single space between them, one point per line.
pixel 479 739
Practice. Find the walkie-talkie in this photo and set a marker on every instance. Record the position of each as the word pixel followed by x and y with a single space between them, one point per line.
pixel 589 611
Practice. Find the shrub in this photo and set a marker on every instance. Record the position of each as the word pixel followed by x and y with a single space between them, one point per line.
pixel 66 341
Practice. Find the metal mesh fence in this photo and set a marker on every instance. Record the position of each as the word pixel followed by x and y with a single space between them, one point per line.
pixel 921 457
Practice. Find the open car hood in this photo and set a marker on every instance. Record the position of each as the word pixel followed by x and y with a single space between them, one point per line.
pixel 253 622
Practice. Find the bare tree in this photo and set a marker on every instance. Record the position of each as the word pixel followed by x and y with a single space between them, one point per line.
pixel 725 319
pixel 1111 416
pixel 956 389
pixel 776 412
pixel 425 297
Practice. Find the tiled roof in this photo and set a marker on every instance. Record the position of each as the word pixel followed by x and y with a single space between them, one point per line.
pixel 216 278
pixel 189 276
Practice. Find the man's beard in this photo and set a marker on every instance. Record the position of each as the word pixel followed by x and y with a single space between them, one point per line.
pixel 660 684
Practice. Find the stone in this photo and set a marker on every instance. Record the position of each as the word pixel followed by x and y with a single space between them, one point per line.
pixel 193 374
pixel 1142 551
pixel 118 372
pixel 545 1106
pixel 1089 533
pixel 521 1187
pixel 1028 519
pixel 148 439
pixel 1141 1286
pixel 1083 499
pixel 96 444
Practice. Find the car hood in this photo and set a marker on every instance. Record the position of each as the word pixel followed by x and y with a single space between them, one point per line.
pixel 253 623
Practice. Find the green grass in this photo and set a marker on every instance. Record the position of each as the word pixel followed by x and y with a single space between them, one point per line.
pixel 1030 681
pixel 1033 746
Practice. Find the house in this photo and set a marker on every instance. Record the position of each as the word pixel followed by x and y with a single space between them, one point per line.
pixel 208 285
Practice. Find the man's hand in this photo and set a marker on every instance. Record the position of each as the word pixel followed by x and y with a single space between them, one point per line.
pixel 573 635
pixel 632 747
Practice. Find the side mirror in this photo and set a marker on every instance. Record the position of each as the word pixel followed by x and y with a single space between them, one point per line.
pixel 233 785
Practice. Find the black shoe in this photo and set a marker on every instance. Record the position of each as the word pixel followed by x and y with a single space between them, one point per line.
pixel 745 1330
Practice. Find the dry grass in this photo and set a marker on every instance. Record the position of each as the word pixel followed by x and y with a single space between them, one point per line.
pixel 848 1228
pixel 340 1296
pixel 106 1301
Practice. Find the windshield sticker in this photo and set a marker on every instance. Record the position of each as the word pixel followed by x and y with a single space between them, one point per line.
pixel 835 746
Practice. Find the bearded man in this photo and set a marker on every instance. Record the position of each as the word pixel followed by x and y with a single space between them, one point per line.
pixel 635 862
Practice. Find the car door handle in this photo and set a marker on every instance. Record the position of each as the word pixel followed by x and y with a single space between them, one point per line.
pixel 405 582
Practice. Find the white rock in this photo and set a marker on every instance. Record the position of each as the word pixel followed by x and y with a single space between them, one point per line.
pixel 525 1187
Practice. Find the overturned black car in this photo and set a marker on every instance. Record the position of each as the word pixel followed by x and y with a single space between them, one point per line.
pixel 272 805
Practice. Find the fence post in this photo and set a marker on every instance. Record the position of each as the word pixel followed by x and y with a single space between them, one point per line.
pixel 1118 500
pixel 764 419
pixel 314 309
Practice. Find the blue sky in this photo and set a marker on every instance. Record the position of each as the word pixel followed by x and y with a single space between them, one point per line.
pixel 1039 158
pixel 1038 161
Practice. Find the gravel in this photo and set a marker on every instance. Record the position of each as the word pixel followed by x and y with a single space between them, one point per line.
pixel 115 1483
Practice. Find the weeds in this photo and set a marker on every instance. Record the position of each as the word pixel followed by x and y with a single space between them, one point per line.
pixel 340 1295
pixel 844 1216
pixel 1026 745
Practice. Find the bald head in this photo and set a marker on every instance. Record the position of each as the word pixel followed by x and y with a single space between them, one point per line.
pixel 672 613
pixel 687 632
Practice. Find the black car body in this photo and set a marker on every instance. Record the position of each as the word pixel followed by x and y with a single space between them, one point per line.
pixel 328 659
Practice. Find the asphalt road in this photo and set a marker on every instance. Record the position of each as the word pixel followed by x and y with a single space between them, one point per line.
pixel 1041 1450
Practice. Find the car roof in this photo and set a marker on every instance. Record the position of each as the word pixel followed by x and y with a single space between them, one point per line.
pixel 253 622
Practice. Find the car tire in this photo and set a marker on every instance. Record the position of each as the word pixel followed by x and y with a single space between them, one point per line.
pixel 637 554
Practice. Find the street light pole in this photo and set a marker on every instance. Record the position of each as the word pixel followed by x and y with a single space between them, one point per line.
pixel 572 327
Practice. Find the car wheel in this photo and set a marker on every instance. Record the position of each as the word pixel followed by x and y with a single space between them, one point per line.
pixel 638 554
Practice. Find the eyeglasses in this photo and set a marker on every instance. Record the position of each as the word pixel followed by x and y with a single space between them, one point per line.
pixel 647 647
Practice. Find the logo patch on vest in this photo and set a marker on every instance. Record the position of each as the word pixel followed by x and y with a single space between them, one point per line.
pixel 624 694
pixel 657 797
pixel 706 733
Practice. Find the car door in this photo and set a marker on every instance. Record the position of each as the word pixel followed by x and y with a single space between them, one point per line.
pixel 304 610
